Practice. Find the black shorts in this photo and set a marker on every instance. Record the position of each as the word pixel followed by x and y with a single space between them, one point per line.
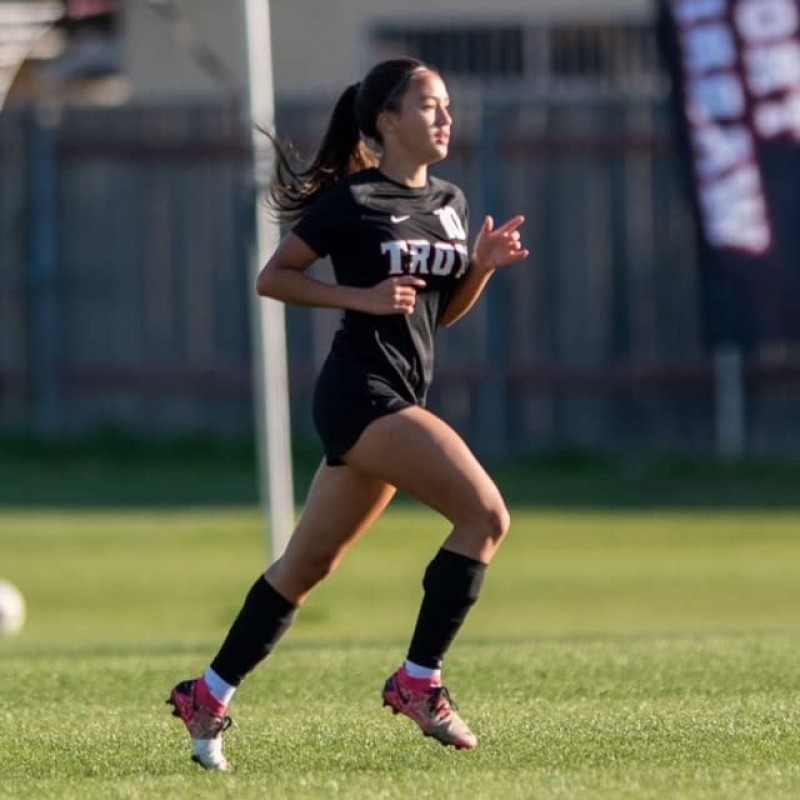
pixel 346 400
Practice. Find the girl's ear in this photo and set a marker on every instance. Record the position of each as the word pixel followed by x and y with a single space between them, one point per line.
pixel 386 123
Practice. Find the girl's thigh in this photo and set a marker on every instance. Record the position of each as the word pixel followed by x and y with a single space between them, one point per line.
pixel 422 455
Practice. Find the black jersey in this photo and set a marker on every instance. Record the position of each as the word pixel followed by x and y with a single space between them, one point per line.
pixel 374 228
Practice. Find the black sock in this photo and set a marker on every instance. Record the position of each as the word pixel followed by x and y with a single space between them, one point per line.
pixel 452 584
pixel 265 616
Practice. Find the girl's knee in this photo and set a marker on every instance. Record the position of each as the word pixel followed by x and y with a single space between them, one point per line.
pixel 481 532
pixel 498 522
pixel 304 573
pixel 489 522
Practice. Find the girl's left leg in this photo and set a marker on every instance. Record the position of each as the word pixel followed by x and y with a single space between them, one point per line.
pixel 341 506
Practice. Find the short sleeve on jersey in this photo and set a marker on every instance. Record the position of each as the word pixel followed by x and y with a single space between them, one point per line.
pixel 322 222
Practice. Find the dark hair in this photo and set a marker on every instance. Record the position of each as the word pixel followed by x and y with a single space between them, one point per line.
pixel 342 151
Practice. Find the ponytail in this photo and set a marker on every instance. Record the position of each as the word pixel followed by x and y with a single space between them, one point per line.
pixel 343 150
pixel 341 153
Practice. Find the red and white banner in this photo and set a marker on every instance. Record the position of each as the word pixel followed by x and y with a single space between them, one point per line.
pixel 736 68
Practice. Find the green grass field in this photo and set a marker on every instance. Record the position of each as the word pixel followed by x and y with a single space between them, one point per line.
pixel 639 636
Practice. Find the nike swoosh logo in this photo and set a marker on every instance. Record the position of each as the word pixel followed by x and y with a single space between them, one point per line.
pixel 400 219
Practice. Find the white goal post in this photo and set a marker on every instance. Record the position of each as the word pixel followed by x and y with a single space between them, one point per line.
pixel 270 374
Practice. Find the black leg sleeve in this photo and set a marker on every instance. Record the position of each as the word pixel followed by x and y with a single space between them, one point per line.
pixel 264 618
pixel 452 584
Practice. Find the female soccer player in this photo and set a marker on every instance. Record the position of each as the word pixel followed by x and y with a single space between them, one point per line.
pixel 397 238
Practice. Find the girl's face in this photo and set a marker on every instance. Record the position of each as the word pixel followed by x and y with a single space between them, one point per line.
pixel 421 126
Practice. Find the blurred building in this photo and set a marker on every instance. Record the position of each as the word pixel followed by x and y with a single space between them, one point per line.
pixel 517 41
pixel 64 50
pixel 319 46
pixel 109 51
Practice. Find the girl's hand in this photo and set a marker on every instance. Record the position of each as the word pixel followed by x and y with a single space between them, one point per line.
pixel 499 248
pixel 392 296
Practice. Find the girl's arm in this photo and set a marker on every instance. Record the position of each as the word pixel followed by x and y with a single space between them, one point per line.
pixel 493 249
pixel 284 278
pixel 467 293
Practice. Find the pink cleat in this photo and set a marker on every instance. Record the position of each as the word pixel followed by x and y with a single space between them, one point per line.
pixel 431 707
pixel 206 721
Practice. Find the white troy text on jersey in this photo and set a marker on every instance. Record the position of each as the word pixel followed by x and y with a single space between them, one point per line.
pixel 451 223
pixel 421 257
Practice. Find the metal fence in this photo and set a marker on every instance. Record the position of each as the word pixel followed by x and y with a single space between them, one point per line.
pixel 124 282
pixel 123 276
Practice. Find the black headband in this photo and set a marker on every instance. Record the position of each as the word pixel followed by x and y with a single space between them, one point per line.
pixel 399 88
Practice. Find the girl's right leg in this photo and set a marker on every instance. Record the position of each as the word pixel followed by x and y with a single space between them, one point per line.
pixel 341 506
pixel 420 454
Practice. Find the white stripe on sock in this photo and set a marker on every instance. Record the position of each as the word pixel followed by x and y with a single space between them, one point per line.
pixel 416 671
pixel 220 689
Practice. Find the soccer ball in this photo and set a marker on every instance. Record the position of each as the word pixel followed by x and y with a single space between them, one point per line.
pixel 12 609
